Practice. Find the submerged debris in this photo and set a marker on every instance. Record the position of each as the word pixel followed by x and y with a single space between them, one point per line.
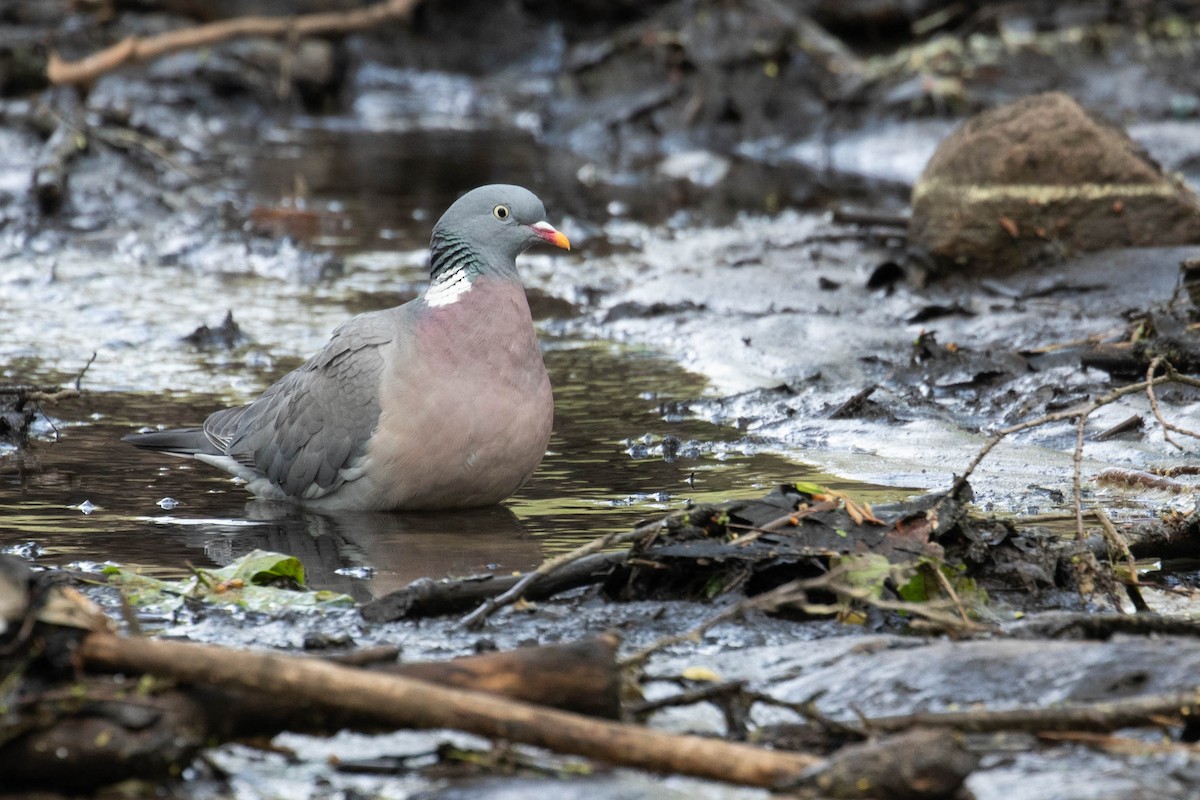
pixel 227 335
pixel 19 409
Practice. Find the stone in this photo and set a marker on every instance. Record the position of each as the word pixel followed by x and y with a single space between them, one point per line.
pixel 1039 179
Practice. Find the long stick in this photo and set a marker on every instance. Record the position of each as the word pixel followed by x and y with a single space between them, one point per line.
pixel 1106 715
pixel 413 703
pixel 135 49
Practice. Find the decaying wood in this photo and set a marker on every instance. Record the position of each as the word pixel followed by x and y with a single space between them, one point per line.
pixel 852 406
pixel 93 733
pixel 1131 423
pixel 429 598
pixel 1167 536
pixel 1136 478
pixel 135 50
pixel 413 703
pixel 1131 359
pixel 581 677
pixel 577 676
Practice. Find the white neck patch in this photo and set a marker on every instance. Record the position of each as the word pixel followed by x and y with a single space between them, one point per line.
pixel 448 288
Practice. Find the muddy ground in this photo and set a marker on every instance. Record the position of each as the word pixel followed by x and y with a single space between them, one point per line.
pixel 702 157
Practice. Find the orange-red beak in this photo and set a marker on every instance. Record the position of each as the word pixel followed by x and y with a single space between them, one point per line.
pixel 546 232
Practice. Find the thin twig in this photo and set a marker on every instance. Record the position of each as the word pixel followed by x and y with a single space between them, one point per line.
pixel 1075 412
pixel 82 372
pixel 688 697
pixel 948 588
pixel 494 604
pixel 808 710
pixel 1167 426
pixel 1117 544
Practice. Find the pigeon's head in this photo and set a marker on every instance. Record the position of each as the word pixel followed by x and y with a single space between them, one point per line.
pixel 498 220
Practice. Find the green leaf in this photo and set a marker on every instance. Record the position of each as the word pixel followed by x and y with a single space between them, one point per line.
pixel 262 568
pixel 259 581
pixel 916 590
pixel 865 571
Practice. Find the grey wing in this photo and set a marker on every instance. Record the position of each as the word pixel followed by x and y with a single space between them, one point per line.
pixel 315 421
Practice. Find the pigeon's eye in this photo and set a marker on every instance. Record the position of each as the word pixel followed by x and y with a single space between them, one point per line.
pixel 501 212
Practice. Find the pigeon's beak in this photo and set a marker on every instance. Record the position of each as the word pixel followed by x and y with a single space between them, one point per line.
pixel 546 232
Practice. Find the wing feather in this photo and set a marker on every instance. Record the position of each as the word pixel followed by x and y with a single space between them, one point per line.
pixel 312 423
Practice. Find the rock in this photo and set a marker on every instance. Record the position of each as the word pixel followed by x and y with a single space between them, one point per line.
pixel 1040 178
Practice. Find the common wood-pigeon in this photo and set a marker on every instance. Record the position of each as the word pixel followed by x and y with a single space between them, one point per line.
pixel 442 402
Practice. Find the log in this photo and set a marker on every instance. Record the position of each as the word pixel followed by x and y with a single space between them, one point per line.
pixel 408 702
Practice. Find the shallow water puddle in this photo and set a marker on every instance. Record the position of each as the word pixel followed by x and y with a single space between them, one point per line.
pixel 626 444
pixel 87 497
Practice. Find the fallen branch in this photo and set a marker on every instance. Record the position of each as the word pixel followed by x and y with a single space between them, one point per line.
pixel 1133 478
pixel 1109 715
pixel 134 50
pixel 1086 625
pixel 1121 745
pixel 406 702
pixel 582 677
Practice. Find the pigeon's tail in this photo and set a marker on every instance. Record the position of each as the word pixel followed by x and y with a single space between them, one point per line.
pixel 178 442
